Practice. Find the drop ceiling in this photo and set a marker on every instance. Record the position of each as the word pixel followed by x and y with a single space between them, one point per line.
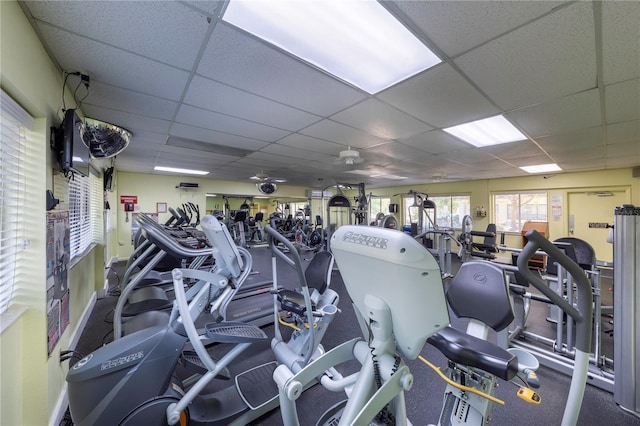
pixel 198 93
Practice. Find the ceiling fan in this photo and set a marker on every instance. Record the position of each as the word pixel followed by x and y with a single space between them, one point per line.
pixel 349 157
pixel 264 177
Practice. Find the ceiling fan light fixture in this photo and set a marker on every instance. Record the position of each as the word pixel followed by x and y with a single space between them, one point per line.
pixel 349 156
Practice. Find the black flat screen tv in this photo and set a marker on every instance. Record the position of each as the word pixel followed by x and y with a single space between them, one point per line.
pixel 73 155
pixel 108 179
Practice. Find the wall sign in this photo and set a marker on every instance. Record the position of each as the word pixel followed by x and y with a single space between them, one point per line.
pixel 128 199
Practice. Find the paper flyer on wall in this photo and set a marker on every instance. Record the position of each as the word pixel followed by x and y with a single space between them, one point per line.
pixel 58 254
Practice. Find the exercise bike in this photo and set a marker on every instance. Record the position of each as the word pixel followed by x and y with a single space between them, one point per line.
pixel 398 297
pixel 134 380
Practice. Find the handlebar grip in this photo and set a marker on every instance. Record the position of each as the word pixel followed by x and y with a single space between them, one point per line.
pixel 583 314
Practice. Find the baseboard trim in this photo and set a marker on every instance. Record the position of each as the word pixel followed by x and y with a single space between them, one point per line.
pixel 63 399
pixel 111 261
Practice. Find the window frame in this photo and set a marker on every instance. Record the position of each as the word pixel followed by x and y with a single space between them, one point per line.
pixel 541 214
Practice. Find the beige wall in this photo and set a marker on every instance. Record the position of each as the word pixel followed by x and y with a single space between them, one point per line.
pixel 31 382
pixel 561 185
pixel 155 188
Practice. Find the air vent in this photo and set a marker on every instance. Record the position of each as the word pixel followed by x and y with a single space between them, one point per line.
pixel 187 185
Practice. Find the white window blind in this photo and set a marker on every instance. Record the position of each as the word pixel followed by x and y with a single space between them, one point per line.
pixel 14 123
pixel 85 201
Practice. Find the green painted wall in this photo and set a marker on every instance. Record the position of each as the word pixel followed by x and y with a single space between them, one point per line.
pixel 31 381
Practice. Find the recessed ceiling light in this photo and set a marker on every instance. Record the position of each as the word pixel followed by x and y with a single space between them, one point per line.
pixel 489 131
pixel 542 168
pixel 177 170
pixel 359 42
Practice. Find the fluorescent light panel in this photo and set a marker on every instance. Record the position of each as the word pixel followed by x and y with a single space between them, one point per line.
pixel 359 42
pixel 542 168
pixel 177 170
pixel 489 131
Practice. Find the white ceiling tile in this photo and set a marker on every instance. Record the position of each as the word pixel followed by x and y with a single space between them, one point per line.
pixel 622 100
pixel 340 133
pixel 628 131
pixel 196 155
pixel 128 120
pixel 297 140
pixel 468 156
pixel 124 69
pixel 218 138
pixel 577 155
pixel 112 97
pixel 578 111
pixel 456 27
pixel 546 59
pixel 380 119
pixel 245 62
pixel 164 31
pixel 218 97
pixel 133 165
pixel 512 150
pixel 578 165
pixel 435 142
pixel 223 123
pixel 591 139
pixel 440 96
pixel 149 138
pixel 400 152
pixel 629 150
pixel 532 160
pixel 209 6
pixel 303 154
pixel 620 40
pixel 264 161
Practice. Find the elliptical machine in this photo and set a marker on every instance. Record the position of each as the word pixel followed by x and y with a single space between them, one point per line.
pixel 134 380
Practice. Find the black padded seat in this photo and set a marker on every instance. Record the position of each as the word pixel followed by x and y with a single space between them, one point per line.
pixel 479 291
pixel 317 277
pixel 465 349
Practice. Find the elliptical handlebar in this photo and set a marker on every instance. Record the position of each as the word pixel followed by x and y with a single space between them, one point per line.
pixel 583 315
pixel 296 263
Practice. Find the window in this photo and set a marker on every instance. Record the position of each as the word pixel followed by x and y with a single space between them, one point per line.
pixel 13 171
pixel 85 212
pixel 451 209
pixel 512 210
pixel 378 205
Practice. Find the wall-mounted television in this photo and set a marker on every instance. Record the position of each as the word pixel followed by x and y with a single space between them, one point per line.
pixel 108 179
pixel 72 153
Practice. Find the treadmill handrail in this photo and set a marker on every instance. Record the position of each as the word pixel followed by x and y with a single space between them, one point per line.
pixel 161 238
pixel 583 315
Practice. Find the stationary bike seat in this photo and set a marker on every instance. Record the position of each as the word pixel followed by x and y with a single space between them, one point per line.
pixel 464 349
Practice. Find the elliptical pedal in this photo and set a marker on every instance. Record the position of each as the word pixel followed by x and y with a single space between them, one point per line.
pixel 191 361
pixel 234 332
pixel 256 386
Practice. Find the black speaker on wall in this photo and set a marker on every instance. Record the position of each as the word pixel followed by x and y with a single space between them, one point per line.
pixel 635 172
